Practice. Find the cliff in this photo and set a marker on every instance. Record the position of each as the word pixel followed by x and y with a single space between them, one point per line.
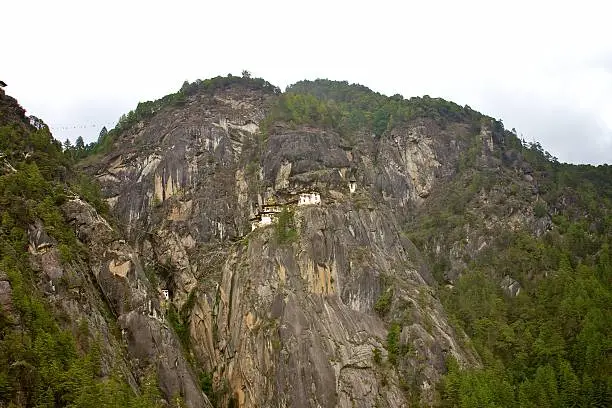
pixel 286 315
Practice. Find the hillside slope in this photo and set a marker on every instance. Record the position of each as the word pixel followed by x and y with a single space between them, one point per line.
pixel 73 293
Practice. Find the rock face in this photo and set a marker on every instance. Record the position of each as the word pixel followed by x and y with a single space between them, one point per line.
pixel 510 286
pixel 6 299
pixel 295 320
pixel 297 313
pixel 137 305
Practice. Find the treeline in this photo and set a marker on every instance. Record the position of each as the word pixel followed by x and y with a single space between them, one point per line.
pixel 304 109
pixel 331 104
pixel 359 107
pixel 80 150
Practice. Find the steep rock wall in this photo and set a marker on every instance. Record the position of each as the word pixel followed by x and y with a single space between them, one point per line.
pixel 296 323
pixel 140 315
pixel 292 324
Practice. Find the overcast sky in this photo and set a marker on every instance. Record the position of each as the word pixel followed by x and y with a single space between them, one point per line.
pixel 544 68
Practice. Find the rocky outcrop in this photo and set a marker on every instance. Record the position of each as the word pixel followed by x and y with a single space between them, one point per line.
pixel 178 158
pixel 137 305
pixel 69 287
pixel 6 297
pixel 510 286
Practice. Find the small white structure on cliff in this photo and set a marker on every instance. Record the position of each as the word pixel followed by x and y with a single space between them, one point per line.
pixel 266 219
pixel 166 294
pixel 269 212
pixel 261 220
pixel 266 216
pixel 309 199
pixel 352 185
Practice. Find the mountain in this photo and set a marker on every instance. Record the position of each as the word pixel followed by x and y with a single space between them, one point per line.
pixel 326 246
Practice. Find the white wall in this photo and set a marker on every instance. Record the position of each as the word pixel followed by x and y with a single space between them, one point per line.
pixel 309 198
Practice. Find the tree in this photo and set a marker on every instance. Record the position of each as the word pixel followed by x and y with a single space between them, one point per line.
pixel 80 144
pixel 246 74
pixel 103 133
pixel 36 122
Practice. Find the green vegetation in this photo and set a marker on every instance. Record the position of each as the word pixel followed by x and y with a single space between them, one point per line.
pixel 393 342
pixel 180 320
pixel 354 107
pixel 179 324
pixel 539 210
pixel 285 227
pixel 550 345
pixel 383 303
pixel 376 356
pixel 33 191
pixel 304 109
pixel 206 384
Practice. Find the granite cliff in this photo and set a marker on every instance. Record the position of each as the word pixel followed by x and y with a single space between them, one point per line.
pixel 296 313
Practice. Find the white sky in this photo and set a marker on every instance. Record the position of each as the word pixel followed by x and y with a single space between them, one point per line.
pixel 545 68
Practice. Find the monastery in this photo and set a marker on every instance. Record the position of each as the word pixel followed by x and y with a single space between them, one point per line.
pixel 269 212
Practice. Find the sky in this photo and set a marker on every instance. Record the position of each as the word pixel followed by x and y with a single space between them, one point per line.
pixel 543 67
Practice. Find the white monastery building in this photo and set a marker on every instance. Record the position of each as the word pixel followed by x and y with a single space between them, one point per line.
pixel 309 199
